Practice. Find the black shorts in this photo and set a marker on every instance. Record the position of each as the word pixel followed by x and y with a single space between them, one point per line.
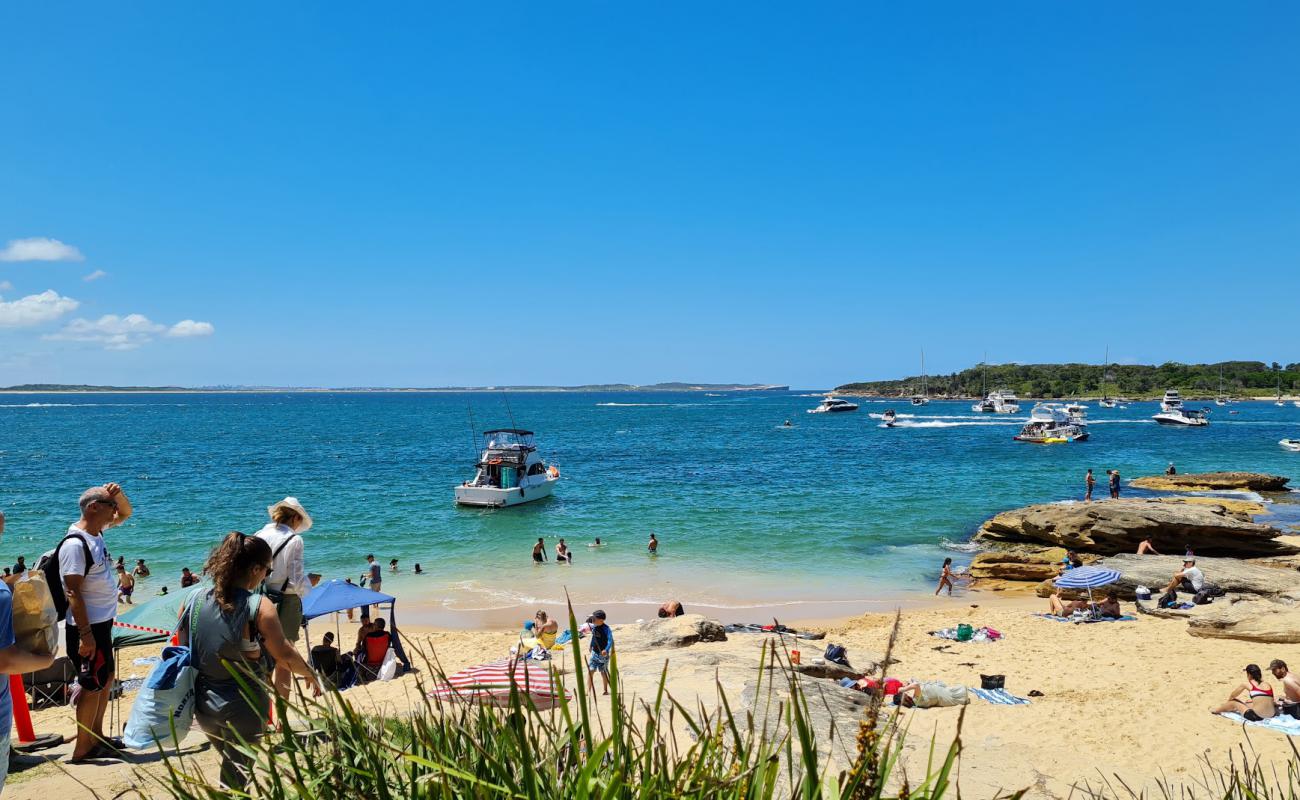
pixel 1186 586
pixel 97 672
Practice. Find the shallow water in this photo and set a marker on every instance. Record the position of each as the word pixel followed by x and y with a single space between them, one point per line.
pixel 747 511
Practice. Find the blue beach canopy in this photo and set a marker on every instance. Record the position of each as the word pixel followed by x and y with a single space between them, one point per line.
pixel 154 621
pixel 1087 578
pixel 340 596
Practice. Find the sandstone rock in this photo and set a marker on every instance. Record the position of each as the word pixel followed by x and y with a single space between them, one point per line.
pixel 1117 526
pixel 1210 481
pixel 1242 509
pixel 832 671
pixel 831 708
pixel 1231 574
pixel 672 632
pixel 1251 620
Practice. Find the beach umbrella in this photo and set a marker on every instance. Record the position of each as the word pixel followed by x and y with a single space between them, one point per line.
pixel 339 595
pixel 1087 578
pixel 154 621
pixel 490 683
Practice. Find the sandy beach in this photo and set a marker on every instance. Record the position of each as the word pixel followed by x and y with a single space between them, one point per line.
pixel 1122 701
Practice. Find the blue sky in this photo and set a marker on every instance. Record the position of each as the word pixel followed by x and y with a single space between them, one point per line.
pixel 415 194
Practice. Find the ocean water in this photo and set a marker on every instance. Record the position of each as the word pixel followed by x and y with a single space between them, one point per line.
pixel 748 512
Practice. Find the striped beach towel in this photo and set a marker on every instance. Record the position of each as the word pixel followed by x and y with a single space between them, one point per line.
pixel 999 697
pixel 1288 725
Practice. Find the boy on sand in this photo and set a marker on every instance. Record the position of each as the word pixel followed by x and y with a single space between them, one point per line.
pixel 602 644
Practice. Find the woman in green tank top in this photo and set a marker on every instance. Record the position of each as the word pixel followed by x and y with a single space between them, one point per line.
pixel 227 629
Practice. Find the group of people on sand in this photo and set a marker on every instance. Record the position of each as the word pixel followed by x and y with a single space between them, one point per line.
pixel 1257 700
pixel 563 553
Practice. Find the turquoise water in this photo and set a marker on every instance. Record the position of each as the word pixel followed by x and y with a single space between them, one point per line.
pixel 748 512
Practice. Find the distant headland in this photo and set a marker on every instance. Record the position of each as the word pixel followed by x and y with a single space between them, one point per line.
pixel 53 388
pixel 1238 379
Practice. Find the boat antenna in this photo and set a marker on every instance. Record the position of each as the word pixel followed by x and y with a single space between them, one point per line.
pixel 473 434
pixel 509 413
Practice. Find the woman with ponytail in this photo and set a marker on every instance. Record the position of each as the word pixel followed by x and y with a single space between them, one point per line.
pixel 227 629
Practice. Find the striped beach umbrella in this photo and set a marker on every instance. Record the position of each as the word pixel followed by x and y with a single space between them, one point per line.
pixel 490 683
pixel 1087 578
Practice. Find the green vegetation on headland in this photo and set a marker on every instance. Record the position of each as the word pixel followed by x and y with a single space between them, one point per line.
pixel 595 387
pixel 1137 381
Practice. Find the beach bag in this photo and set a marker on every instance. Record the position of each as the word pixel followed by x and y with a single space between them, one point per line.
pixel 993 681
pixel 965 632
pixel 36 620
pixel 836 654
pixel 1202 598
pixel 388 670
pixel 164 707
pixel 1142 593
pixel 49 565
pixel 1168 600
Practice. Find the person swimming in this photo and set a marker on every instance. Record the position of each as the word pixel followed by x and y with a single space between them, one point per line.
pixel 539 551
pixel 418 570
pixel 597 543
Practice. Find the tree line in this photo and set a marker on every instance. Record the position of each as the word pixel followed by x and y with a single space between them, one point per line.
pixel 1239 379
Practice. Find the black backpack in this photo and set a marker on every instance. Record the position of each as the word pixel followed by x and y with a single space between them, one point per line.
pixel 1168 600
pixel 836 654
pixel 49 565
pixel 1202 598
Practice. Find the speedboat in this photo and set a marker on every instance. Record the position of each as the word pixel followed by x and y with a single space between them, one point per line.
pixel 1291 444
pixel 918 400
pixel 509 472
pixel 889 417
pixel 1186 417
pixel 832 405
pixel 1107 402
pixel 1171 401
pixel 1051 423
pixel 985 406
pixel 1077 412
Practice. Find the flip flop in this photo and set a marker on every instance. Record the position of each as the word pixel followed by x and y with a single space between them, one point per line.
pixel 97 753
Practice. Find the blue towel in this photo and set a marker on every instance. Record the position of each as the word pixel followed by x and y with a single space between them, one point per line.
pixel 565 637
pixel 1287 725
pixel 999 697
pixel 166 671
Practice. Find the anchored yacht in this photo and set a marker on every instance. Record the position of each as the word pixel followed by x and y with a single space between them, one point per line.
pixel 1078 413
pixel 1052 423
pixel 1001 401
pixel 509 472
pixel 1186 417
pixel 1171 401
pixel 832 405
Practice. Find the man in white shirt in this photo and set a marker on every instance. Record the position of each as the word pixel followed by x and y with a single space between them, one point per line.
pixel 92 605
pixel 287 584
pixel 1189 580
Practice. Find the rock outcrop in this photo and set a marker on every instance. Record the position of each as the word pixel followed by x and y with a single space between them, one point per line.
pixel 1019 563
pixel 1230 574
pixel 672 632
pixel 1251 620
pixel 1110 527
pixel 1212 481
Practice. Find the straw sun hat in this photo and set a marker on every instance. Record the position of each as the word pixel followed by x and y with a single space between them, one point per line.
pixel 292 504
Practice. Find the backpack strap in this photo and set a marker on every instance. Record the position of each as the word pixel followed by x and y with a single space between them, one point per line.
pixel 90 557
pixel 276 554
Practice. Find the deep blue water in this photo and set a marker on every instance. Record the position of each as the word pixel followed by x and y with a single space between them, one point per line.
pixel 834 508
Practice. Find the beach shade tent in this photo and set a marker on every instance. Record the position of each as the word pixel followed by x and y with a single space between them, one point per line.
pixel 335 596
pixel 1087 578
pixel 154 621
pixel 491 684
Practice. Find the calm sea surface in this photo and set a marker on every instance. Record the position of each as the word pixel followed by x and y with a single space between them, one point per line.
pixel 747 511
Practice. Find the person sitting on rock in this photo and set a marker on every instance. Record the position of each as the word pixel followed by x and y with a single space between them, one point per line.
pixel 1189 579
pixel 1252 699
pixel 1146 548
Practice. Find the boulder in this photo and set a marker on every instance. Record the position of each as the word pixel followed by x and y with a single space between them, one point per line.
pixel 671 632
pixel 1212 481
pixel 1230 574
pixel 1251 620
pixel 1242 509
pixel 834 713
pixel 1117 526
pixel 1025 563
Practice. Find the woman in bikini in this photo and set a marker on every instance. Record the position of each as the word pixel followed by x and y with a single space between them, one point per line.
pixel 1252 699
pixel 946 578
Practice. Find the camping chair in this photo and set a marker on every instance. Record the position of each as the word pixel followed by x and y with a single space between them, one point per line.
pixel 373 658
pixel 51 686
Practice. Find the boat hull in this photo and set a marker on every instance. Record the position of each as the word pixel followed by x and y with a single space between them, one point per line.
pixel 493 497
pixel 1180 422
pixel 1291 444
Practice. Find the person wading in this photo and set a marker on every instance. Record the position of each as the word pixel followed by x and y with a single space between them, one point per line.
pixel 289 585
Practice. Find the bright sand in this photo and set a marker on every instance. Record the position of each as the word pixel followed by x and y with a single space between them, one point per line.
pixel 1127 699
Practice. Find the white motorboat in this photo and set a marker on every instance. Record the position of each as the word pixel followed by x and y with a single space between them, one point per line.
pixel 1108 402
pixel 1078 413
pixel 833 405
pixel 1005 402
pixel 985 406
pixel 1296 403
pixel 509 472
pixel 1189 418
pixel 889 417
pixel 1172 400
pixel 1291 444
pixel 1052 423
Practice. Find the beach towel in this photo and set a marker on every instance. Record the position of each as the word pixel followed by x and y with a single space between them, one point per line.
pixel 1083 618
pixel 999 697
pixel 979 635
pixel 1282 724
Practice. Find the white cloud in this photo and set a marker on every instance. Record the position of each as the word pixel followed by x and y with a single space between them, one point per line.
pixel 5 286
pixel 110 330
pixel 188 328
pixel 40 249
pixel 35 309
pixel 96 275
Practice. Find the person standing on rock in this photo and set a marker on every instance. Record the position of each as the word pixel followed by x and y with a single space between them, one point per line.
pixel 1114 484
pixel 1089 481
